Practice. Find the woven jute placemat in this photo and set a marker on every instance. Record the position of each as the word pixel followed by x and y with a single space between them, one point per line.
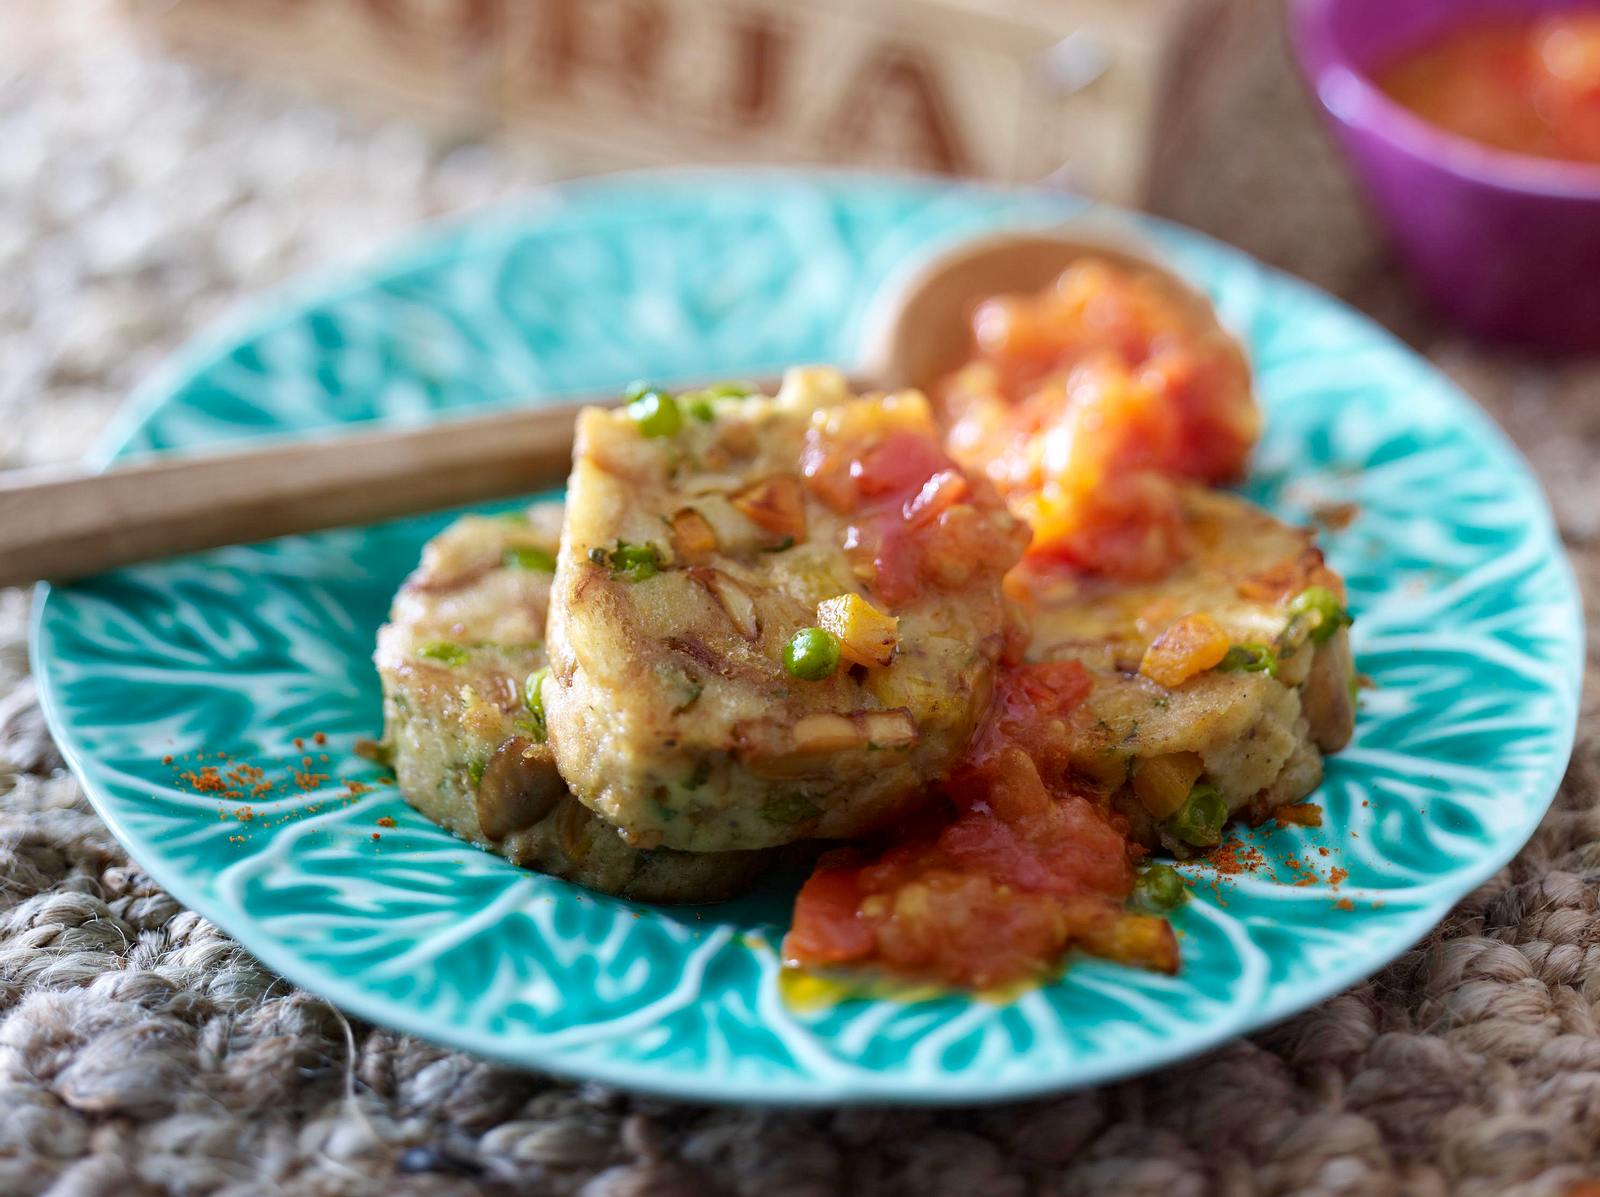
pixel 141 1051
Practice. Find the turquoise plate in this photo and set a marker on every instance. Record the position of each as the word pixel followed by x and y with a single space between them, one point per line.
pixel 1467 621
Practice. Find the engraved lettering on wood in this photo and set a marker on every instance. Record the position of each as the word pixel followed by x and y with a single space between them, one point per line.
pixel 621 41
pixel 561 45
pixel 947 85
pixel 897 84
pixel 641 37
pixel 760 62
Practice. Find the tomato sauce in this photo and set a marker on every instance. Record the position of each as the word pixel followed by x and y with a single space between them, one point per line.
pixel 915 518
pixel 1087 403
pixel 1530 87
pixel 994 887
pixel 1087 406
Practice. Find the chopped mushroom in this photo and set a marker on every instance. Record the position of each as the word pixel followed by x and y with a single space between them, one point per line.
pixel 827 733
pixel 692 535
pixel 775 504
pixel 733 598
pixel 516 790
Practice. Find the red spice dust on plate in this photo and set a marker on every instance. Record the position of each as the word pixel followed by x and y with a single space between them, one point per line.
pixel 239 781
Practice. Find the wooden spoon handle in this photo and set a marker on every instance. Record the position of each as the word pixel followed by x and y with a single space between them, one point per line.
pixel 66 524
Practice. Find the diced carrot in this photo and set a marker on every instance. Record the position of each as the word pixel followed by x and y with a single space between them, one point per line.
pixel 1191 646
pixel 866 635
pixel 1140 940
pixel 1163 782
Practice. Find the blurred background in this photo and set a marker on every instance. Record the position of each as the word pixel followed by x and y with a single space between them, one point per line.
pixel 162 160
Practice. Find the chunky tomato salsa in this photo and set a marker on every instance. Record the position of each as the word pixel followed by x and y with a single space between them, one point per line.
pixel 915 520
pixel 1090 406
pixel 1012 869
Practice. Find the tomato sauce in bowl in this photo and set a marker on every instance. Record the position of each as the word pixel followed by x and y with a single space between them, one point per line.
pixel 1526 86
pixel 1470 125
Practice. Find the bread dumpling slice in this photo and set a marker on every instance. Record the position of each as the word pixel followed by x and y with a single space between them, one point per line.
pixel 465 635
pixel 1229 676
pixel 774 618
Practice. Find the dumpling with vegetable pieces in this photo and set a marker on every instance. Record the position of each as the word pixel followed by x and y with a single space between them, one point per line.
pixel 774 618
pixel 1211 691
pixel 460 661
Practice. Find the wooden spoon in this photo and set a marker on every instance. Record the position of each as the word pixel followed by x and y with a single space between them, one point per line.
pixel 69 523
pixel 920 330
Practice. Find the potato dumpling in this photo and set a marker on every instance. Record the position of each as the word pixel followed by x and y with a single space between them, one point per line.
pixel 465 636
pixel 774 618
pixel 1229 676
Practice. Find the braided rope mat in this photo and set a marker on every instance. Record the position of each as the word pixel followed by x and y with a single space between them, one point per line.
pixel 141 1051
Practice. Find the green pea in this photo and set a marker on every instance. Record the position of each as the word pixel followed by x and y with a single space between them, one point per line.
pixel 446 652
pixel 657 414
pixel 701 409
pixel 635 562
pixel 631 562
pixel 1250 658
pixel 1199 820
pixel 637 389
pixel 1160 887
pixel 729 390
pixel 529 556
pixel 1327 613
pixel 811 654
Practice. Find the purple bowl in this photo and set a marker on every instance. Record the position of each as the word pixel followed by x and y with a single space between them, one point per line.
pixel 1505 245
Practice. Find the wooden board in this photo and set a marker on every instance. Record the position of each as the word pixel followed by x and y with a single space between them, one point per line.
pixel 1088 93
